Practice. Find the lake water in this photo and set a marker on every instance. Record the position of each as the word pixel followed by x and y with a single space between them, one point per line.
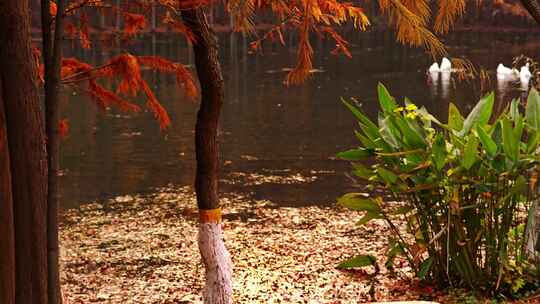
pixel 278 142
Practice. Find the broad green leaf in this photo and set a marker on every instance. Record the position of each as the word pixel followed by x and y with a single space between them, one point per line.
pixel 355 201
pixel 424 268
pixel 489 145
pixel 496 133
pixel 367 126
pixel 455 119
pixel 534 140
pixel 510 143
pixel 428 118
pixel 358 261
pixel 518 129
pixel 386 100
pixel 389 133
pixel 514 109
pixel 388 176
pixel 410 136
pixel 400 153
pixel 470 153
pixel 371 133
pixel 479 115
pixel 368 217
pixel 355 154
pixel 361 171
pixel 532 110
pixel 366 142
pixel 439 152
pixel 358 114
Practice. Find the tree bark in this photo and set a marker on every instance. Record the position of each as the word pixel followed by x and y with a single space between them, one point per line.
pixel 52 54
pixel 28 162
pixel 218 288
pixel 533 6
pixel 210 77
pixel 533 226
pixel 7 237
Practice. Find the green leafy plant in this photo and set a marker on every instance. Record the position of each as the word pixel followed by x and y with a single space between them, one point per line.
pixel 464 189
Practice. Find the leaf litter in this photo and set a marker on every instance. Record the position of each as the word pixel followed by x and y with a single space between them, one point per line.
pixel 143 249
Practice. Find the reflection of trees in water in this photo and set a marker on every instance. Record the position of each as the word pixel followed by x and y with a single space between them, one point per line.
pixel 506 13
pixel 297 128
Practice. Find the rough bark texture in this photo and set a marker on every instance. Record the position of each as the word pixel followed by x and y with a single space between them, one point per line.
pixel 26 151
pixel 7 237
pixel 212 93
pixel 218 288
pixel 533 6
pixel 52 54
pixel 533 227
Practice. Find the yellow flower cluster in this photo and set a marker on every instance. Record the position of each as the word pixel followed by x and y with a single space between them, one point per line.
pixel 410 109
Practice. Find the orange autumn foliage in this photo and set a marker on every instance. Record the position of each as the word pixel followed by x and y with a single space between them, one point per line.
pixel 126 68
pixel 77 72
pixel 53 8
pixel 83 32
pixel 183 75
pixel 104 98
pixel 179 27
pixel 410 18
pixel 133 23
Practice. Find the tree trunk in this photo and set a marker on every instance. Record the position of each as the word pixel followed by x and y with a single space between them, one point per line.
pixel 28 162
pixel 52 54
pixel 218 288
pixel 533 232
pixel 533 6
pixel 533 226
pixel 7 237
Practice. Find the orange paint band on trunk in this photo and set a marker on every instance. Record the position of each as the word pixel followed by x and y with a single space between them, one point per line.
pixel 210 216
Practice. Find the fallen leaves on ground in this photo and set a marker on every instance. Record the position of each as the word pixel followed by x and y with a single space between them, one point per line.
pixel 143 249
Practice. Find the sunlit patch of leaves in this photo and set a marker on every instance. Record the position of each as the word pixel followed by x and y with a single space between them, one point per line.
pixel 143 248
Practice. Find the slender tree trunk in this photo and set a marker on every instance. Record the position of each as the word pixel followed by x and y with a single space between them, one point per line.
pixel 218 288
pixel 28 162
pixel 52 54
pixel 7 237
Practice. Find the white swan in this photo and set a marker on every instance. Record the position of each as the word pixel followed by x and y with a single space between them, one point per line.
pixel 434 68
pixel 503 70
pixel 446 65
pixel 525 73
pixel 525 76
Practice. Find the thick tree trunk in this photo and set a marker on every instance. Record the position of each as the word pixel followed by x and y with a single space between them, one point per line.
pixel 533 6
pixel 218 288
pixel 533 227
pixel 52 54
pixel 7 237
pixel 28 162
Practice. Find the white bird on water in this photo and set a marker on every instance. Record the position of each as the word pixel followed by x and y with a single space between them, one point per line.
pixel 506 71
pixel 446 65
pixel 525 73
pixel 434 68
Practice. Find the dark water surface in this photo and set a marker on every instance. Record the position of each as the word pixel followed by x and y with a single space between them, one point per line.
pixel 278 143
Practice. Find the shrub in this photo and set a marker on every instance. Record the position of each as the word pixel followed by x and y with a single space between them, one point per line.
pixel 466 188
